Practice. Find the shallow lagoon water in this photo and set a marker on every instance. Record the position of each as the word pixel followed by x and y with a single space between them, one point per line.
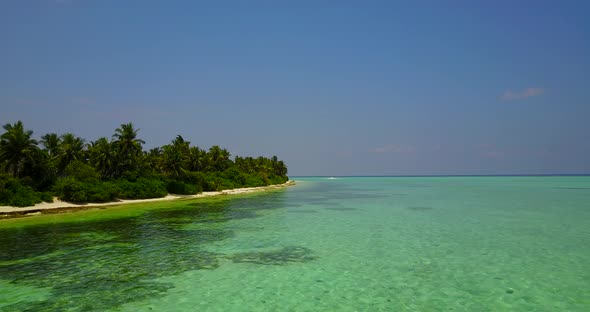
pixel 345 244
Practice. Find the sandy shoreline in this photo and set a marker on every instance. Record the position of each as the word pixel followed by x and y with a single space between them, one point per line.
pixel 58 205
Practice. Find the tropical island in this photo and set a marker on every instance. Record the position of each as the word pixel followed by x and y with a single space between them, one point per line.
pixel 72 169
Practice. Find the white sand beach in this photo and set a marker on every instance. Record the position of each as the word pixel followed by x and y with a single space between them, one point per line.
pixel 58 204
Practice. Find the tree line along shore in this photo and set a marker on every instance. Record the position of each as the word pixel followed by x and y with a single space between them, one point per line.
pixel 75 170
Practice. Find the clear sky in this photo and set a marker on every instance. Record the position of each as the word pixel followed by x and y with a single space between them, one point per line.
pixel 331 87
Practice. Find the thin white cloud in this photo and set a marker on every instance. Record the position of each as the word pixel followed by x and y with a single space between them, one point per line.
pixel 395 148
pixel 510 95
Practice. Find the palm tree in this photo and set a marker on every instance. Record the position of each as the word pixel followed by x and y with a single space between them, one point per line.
pixel 219 158
pixel 128 147
pixel 173 161
pixel 153 159
pixel 51 143
pixel 17 147
pixel 196 159
pixel 282 169
pixel 181 145
pixel 263 165
pixel 278 167
pixel 103 157
pixel 71 148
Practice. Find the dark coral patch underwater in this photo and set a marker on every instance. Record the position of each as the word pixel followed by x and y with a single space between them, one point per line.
pixel 302 211
pixel 341 208
pixel 283 256
pixel 420 208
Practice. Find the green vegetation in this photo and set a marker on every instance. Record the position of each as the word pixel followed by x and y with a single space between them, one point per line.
pixel 68 167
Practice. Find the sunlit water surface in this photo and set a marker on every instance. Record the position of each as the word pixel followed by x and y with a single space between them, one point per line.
pixel 344 244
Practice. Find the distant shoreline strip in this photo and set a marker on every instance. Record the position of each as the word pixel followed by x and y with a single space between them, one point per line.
pixel 9 212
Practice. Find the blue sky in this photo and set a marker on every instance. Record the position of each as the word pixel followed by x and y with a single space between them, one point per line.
pixel 331 87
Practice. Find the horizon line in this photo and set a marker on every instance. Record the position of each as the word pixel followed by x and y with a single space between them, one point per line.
pixel 447 175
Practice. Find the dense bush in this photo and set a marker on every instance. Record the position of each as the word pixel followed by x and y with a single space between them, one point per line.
pixel 141 188
pixel 277 179
pixel 90 191
pixel 40 176
pixel 82 185
pixel 213 182
pixel 179 187
pixel 15 193
pixel 254 180
pixel 47 197
pixel 69 189
pixel 193 177
pixel 234 177
pixel 81 172
pixel 95 191
pixel 100 192
pixel 210 185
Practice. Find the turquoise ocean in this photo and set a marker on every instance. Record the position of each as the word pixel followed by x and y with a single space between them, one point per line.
pixel 325 244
